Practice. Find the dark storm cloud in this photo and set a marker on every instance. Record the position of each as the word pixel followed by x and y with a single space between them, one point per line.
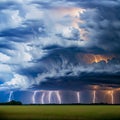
pixel 5 5
pixel 4 45
pixel 103 22
pixel 42 40
pixel 9 5
pixel 81 78
pixel 68 72
pixel 94 3
pixel 72 51
pixel 25 32
pixel 82 82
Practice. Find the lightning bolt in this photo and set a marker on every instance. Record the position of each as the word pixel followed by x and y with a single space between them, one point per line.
pixel 58 96
pixel 78 97
pixel 94 96
pixel 34 95
pixel 10 96
pixel 42 98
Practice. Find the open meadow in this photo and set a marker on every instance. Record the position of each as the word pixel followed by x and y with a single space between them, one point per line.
pixel 60 112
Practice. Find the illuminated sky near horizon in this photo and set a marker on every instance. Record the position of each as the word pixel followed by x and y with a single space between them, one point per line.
pixel 59 44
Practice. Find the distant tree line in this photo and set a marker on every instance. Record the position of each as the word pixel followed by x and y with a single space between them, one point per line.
pixel 13 102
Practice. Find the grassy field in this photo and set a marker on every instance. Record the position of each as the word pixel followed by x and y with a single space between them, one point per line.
pixel 60 112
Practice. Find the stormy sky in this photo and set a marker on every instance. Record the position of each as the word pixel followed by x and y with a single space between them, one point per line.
pixel 59 44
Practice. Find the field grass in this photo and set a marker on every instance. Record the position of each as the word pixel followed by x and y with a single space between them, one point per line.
pixel 60 112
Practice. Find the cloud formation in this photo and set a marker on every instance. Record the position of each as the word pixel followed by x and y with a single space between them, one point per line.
pixel 50 44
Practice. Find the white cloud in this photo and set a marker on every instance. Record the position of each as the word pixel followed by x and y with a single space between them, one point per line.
pixel 18 82
pixel 16 19
pixel 33 13
pixel 4 57
pixel 10 19
pixel 5 68
pixel 21 54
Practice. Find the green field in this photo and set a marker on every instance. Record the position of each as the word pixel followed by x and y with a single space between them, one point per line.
pixel 60 112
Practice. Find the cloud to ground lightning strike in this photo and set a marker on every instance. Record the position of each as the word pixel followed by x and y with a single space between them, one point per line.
pixel 43 98
pixel 94 96
pixel 10 96
pixel 111 94
pixel 34 96
pixel 58 97
pixel 78 97
pixel 49 96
